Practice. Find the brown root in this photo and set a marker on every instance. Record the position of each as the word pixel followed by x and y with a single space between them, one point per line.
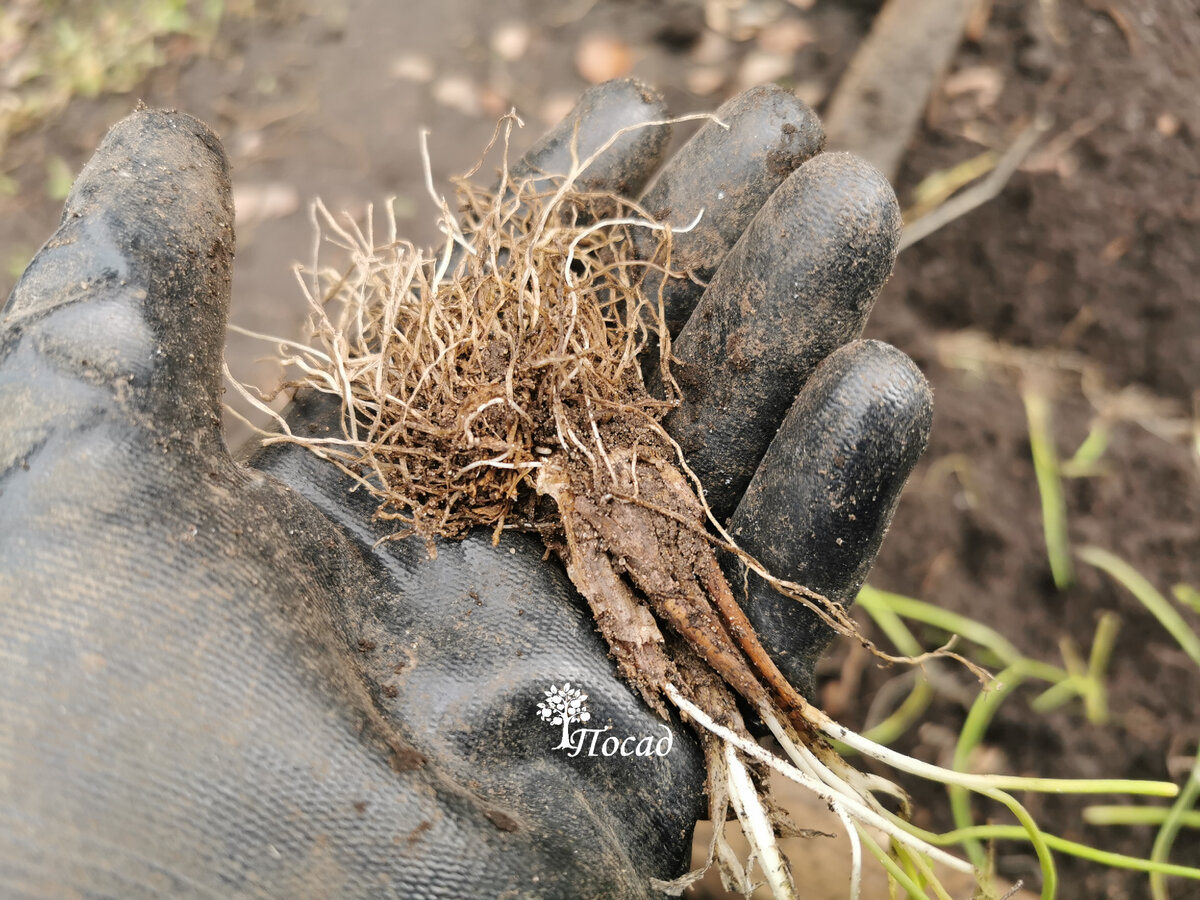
pixel 671 567
pixel 631 631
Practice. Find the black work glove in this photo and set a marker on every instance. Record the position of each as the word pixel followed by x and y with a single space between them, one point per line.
pixel 216 682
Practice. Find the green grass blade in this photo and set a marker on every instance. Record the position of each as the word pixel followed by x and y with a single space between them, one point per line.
pixel 1161 850
pixel 1137 815
pixel 890 866
pixel 1187 596
pixel 1096 697
pixel 1158 605
pixel 921 694
pixel 873 600
pixel 906 714
pixel 983 710
pixel 1049 482
pixel 1086 460
pixel 1061 845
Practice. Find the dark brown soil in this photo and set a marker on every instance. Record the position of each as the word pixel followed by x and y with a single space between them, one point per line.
pixel 1097 256
pixel 1092 249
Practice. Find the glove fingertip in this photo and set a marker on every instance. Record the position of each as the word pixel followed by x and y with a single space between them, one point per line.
pixel 721 178
pixel 821 501
pixel 132 290
pixel 601 113
pixel 799 283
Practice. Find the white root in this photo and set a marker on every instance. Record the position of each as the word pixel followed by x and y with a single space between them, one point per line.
pixel 857 808
pixel 757 826
pixel 855 850
pixel 907 764
pixel 807 762
pixel 734 877
pixel 627 220
pixel 718 809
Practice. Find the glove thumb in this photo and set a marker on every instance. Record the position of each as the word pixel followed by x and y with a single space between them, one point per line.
pixel 125 306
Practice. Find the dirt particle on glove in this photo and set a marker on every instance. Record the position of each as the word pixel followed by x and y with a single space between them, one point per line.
pixel 405 759
pixel 415 835
pixel 502 820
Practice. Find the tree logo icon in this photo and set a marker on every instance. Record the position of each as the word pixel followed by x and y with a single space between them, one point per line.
pixel 564 707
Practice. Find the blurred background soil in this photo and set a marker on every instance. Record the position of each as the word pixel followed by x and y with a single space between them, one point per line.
pixel 1078 283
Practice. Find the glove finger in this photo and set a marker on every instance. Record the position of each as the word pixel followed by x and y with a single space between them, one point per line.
pixel 131 293
pixel 728 169
pixel 602 111
pixel 819 504
pixel 799 283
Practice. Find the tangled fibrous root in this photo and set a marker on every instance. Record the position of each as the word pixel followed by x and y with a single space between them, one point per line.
pixel 499 383
pixel 461 373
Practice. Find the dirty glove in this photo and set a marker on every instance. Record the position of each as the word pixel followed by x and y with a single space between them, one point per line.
pixel 217 683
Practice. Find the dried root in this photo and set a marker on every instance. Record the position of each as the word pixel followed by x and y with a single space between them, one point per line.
pixel 498 384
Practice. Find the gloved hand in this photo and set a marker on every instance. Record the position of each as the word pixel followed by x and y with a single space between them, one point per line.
pixel 216 682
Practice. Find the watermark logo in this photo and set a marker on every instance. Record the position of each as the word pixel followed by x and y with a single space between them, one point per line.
pixel 567 705
pixel 564 706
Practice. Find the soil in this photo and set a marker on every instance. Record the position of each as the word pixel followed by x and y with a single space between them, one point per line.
pixel 1093 254
pixel 1088 256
